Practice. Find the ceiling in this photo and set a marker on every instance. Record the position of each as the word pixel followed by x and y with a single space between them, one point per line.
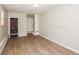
pixel 29 8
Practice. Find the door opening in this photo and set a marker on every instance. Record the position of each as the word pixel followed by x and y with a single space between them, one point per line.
pixel 13 27
pixel 30 23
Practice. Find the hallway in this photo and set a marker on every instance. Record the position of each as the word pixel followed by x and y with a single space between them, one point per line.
pixel 33 45
pixel 60 25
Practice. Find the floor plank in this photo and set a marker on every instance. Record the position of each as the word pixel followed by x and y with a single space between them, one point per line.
pixel 34 45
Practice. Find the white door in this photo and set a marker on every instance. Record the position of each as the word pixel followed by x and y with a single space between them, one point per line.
pixel 30 24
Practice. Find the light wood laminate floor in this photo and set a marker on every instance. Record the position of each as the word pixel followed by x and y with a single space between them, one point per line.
pixel 33 45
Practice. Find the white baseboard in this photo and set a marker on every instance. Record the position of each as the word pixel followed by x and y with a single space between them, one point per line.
pixel 3 43
pixel 35 33
pixel 22 35
pixel 71 49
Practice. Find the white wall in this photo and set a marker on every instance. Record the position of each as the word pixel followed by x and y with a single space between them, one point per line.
pixel 62 24
pixel 3 28
pixel 36 22
pixel 22 22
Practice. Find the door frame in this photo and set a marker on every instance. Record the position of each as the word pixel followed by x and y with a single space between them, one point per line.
pixel 10 25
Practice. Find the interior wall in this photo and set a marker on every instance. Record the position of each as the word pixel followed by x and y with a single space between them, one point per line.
pixel 62 25
pixel 36 23
pixel 3 28
pixel 22 22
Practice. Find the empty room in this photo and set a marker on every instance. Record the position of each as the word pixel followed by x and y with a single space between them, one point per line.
pixel 39 29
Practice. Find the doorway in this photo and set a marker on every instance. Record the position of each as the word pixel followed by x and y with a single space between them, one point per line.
pixel 30 23
pixel 13 27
